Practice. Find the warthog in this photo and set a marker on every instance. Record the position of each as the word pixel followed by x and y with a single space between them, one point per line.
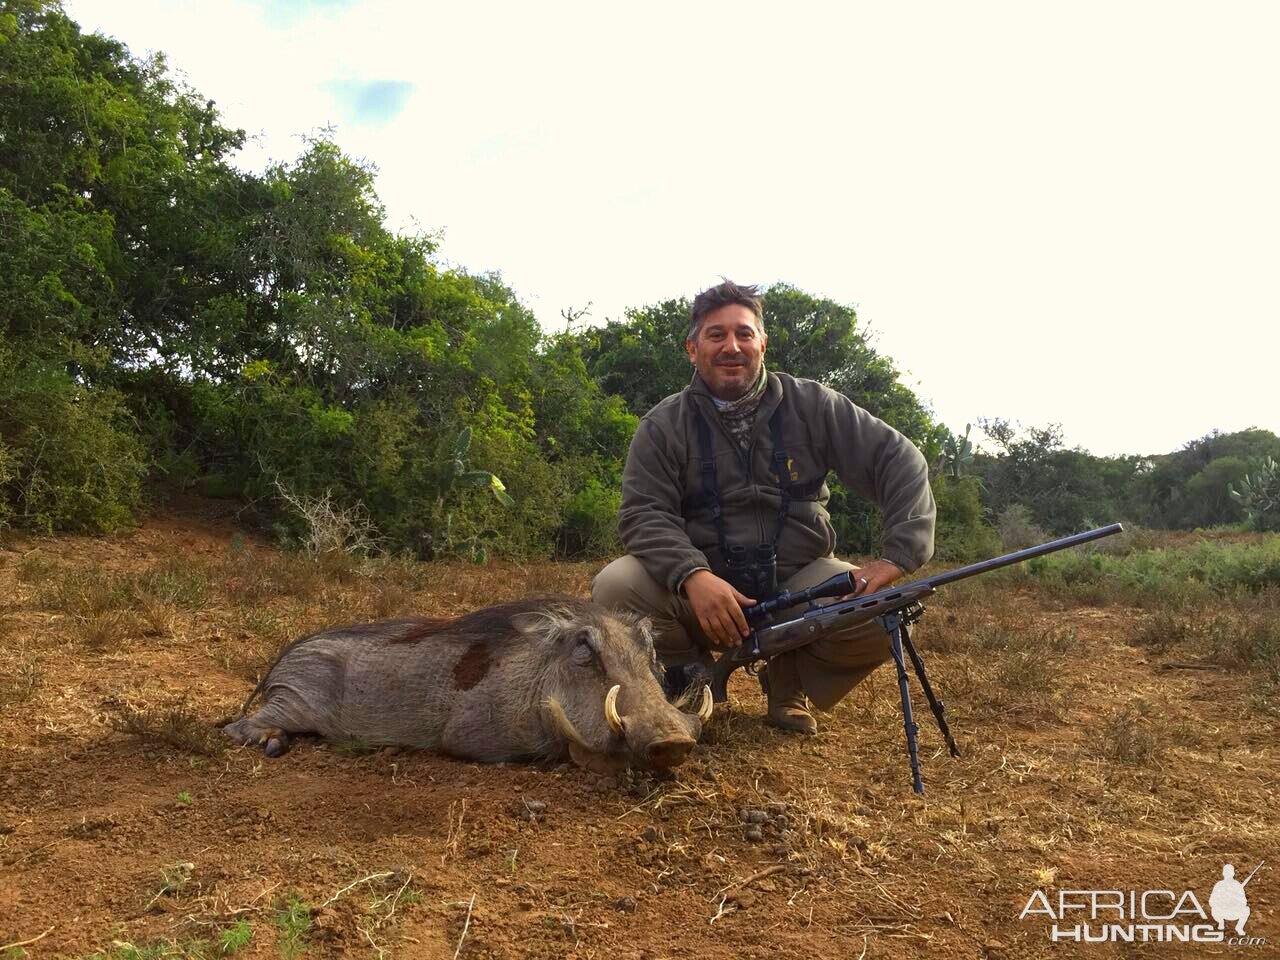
pixel 534 678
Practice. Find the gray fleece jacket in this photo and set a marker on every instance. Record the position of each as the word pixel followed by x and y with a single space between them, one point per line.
pixel 666 522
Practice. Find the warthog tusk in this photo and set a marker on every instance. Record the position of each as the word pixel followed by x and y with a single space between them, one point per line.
pixel 562 723
pixel 611 709
pixel 704 708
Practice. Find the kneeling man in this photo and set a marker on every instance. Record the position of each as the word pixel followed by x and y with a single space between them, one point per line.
pixel 734 466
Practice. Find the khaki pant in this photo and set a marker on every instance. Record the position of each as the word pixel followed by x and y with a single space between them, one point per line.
pixel 829 667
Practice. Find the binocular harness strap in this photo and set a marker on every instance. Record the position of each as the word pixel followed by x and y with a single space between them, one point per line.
pixel 710 485
pixel 707 464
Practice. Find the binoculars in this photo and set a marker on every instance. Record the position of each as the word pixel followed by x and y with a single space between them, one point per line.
pixel 753 572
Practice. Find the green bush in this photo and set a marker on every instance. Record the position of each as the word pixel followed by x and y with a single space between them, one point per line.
pixel 8 469
pixel 71 457
pixel 1258 494
pixel 590 527
pixel 1016 529
pixel 1168 576
pixel 962 534
pixel 856 521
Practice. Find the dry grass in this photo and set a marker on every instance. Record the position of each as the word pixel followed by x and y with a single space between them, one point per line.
pixel 82 593
pixel 34 567
pixel 175 724
pixel 1264 695
pixel 102 631
pixel 1241 635
pixel 1130 735
pixel 990 656
pixel 22 677
pixel 1242 639
pixel 174 583
pixel 1162 631
pixel 386 600
pixel 157 618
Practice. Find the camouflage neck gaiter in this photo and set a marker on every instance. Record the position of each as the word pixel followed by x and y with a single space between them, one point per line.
pixel 739 416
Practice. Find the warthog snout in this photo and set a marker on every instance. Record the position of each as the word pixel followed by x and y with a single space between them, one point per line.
pixel 654 734
pixel 669 752
pixel 658 734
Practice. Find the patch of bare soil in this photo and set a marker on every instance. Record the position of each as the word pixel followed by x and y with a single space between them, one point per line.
pixel 126 829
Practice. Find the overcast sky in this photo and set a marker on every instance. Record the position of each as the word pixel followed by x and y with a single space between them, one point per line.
pixel 1051 213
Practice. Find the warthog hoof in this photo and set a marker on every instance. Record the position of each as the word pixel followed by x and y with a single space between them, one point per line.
pixel 275 743
pixel 273 740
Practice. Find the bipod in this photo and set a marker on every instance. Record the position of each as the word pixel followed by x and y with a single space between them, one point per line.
pixel 897 624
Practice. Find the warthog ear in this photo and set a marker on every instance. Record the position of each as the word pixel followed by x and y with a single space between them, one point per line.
pixel 645 628
pixel 543 626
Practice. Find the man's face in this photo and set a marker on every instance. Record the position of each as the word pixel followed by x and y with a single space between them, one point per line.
pixel 729 351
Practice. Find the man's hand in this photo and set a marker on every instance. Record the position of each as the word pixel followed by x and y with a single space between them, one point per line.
pixel 875 576
pixel 718 607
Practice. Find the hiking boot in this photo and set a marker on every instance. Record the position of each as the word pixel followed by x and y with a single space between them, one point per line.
pixel 788 707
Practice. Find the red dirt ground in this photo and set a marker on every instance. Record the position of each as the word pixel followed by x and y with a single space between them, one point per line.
pixel 412 854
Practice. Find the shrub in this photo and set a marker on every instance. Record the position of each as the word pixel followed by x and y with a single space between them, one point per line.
pixel 1016 529
pixel 1240 641
pixel 8 470
pixel 538 488
pixel 328 527
pixel 963 535
pixel 175 724
pixel 1130 735
pixel 856 521
pixel 1258 494
pixel 1162 631
pixel 70 457
pixel 590 527
pixel 1168 577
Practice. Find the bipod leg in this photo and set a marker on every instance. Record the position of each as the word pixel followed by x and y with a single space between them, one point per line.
pixel 892 623
pixel 936 705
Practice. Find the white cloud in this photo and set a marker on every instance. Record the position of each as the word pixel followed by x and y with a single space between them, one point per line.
pixel 1048 213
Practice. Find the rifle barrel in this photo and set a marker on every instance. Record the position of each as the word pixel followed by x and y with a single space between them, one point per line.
pixel 995 563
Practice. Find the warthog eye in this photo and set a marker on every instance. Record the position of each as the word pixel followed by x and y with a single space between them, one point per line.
pixel 583 652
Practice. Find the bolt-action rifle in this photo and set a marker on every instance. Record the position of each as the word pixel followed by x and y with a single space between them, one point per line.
pixel 895 608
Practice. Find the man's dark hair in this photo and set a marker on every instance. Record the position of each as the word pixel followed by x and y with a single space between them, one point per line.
pixel 721 295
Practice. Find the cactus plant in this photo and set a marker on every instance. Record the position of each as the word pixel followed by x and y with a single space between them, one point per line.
pixel 957 453
pixel 1259 495
pixel 448 476
pixel 451 471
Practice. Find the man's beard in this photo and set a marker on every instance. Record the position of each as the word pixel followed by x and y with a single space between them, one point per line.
pixel 747 384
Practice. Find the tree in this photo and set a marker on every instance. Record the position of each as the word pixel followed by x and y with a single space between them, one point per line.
pixel 1065 490
pixel 1187 488
pixel 640 358
pixel 105 159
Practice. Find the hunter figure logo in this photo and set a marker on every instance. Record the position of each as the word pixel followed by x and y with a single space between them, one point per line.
pixel 1228 900
pixel 1141 916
